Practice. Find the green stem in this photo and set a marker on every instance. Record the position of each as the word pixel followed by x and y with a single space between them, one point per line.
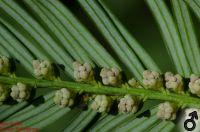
pixel 181 99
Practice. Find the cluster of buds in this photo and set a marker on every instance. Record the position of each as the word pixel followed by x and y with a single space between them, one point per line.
pixel 3 92
pixel 128 104
pixel 101 103
pixel 111 76
pixel 194 84
pixel 43 69
pixel 64 98
pixel 83 72
pixel 173 82
pixel 152 79
pixel 4 65
pixel 134 83
pixel 167 111
pixel 20 92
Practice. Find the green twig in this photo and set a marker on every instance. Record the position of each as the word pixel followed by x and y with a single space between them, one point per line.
pixel 181 99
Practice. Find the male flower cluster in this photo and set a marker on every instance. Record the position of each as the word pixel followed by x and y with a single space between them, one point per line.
pixel 101 103
pixel 111 76
pixel 194 84
pixel 152 79
pixel 43 69
pixel 63 98
pixel 128 104
pixel 173 82
pixel 20 92
pixel 83 72
pixel 167 111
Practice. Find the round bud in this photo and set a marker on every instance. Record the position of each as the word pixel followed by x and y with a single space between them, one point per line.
pixel 167 111
pixel 43 69
pixel 194 85
pixel 152 79
pixel 173 82
pixel 111 76
pixel 63 98
pixel 101 103
pixel 128 104
pixel 134 83
pixel 83 72
pixel 20 92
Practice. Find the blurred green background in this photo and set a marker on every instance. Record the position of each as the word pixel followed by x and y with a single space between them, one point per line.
pixel 137 18
pixel 135 15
